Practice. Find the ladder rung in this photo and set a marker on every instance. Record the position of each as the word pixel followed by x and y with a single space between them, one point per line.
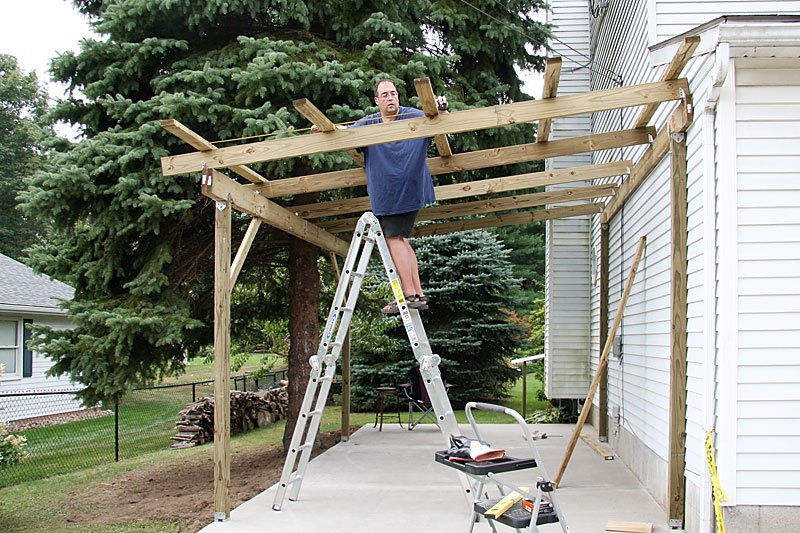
pixel 359 274
pixel 294 479
pixel 326 378
pixel 347 309
pixel 315 412
pixel 306 445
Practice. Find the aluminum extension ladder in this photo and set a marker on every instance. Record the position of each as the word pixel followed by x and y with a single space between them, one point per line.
pixel 367 234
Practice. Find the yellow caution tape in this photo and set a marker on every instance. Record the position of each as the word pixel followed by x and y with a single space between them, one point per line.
pixel 718 493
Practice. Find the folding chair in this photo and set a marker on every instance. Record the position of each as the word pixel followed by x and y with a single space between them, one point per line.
pixel 418 398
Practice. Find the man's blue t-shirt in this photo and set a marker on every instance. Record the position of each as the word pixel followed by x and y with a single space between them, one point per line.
pixel 398 179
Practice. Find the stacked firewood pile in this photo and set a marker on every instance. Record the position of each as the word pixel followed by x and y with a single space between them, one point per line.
pixel 249 410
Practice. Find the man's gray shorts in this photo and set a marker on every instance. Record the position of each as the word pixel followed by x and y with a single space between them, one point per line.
pixel 399 225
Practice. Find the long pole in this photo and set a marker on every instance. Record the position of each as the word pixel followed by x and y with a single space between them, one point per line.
pixel 602 364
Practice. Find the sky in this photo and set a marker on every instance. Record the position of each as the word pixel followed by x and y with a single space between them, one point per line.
pixel 37 31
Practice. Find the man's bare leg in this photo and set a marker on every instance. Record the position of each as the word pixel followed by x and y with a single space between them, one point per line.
pixel 405 261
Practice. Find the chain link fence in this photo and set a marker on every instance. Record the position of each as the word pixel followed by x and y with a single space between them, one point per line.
pixel 63 436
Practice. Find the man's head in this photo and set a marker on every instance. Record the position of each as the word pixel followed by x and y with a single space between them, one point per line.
pixel 386 97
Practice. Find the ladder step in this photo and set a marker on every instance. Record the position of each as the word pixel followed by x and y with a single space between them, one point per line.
pixel 326 378
pixel 305 446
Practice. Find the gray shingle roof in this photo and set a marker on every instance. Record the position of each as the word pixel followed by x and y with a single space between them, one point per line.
pixel 21 289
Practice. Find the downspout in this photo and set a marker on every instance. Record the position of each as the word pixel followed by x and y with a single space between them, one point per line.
pixel 722 60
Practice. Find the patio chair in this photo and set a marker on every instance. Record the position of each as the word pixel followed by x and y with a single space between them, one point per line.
pixel 418 399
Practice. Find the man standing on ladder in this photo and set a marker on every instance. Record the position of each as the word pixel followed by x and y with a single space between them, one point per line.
pixel 399 184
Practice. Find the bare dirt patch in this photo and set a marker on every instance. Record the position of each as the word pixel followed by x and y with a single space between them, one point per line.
pixel 182 493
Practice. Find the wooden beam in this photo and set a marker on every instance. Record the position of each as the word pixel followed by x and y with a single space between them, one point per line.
pixel 431 110
pixel 417 128
pixel 244 249
pixel 678 360
pixel 223 187
pixel 499 221
pixel 222 360
pixel 602 401
pixel 490 206
pixel 318 118
pixel 478 188
pixel 552 74
pixel 507 155
pixel 674 69
pixel 679 121
pixel 601 365
pixel 196 141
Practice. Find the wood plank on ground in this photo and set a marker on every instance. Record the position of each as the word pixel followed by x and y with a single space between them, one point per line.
pixel 629 527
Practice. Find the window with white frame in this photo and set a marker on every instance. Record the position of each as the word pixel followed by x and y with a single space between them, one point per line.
pixel 11 347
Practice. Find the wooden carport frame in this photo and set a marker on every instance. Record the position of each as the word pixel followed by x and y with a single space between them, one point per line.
pixel 254 199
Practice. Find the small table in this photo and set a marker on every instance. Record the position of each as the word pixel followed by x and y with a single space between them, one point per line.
pixel 380 416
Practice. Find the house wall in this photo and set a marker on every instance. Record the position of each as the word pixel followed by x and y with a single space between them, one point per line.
pixel 20 407
pixel 728 311
pixel 567 271
pixel 766 194
pixel 674 17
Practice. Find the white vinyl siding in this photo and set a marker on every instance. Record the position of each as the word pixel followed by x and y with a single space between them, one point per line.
pixel 674 17
pixel 567 271
pixel 768 235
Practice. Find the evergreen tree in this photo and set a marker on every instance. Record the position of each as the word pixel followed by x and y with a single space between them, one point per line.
pixel 136 245
pixel 469 280
pixel 23 132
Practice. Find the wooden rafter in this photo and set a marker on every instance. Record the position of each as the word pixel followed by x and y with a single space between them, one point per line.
pixel 196 141
pixel 499 221
pixel 222 187
pixel 552 74
pixel 318 118
pixel 478 188
pixel 416 128
pixel 674 69
pixel 678 122
pixel 431 110
pixel 490 206
pixel 506 155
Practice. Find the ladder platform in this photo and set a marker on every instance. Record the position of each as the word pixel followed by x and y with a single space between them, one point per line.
pixel 482 468
pixel 517 516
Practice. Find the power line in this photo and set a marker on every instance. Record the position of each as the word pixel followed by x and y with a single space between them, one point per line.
pixel 616 78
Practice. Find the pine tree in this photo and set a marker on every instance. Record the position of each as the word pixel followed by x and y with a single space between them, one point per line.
pixel 136 245
pixel 470 325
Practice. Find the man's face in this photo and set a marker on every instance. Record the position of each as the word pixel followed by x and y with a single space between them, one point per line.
pixel 387 98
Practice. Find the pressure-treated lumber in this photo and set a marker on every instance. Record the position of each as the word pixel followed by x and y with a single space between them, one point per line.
pixel 431 110
pixel 602 400
pixel 629 527
pixel 506 155
pixel 223 187
pixel 319 119
pixel 597 447
pixel 552 74
pixel 499 221
pixel 222 360
pixel 490 206
pixel 678 122
pixel 196 141
pixel 601 365
pixel 478 188
pixel 244 249
pixel 676 488
pixel 416 128
pixel 674 69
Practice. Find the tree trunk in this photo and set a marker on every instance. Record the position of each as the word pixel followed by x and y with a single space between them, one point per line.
pixel 303 319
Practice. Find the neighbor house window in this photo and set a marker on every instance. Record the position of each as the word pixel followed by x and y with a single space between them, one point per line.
pixel 11 347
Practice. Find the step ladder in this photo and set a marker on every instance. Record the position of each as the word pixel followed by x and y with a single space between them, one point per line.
pixel 367 234
pixel 540 505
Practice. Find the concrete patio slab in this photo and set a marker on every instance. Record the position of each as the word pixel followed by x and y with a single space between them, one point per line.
pixel 388 481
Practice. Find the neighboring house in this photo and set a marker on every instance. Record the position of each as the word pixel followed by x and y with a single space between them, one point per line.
pixel 25 298
pixel 743 264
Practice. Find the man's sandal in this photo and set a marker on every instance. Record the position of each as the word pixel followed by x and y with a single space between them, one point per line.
pixel 413 301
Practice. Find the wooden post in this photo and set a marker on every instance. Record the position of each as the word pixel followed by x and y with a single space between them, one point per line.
pixel 345 369
pixel 602 427
pixel 222 362
pixel 602 364
pixel 677 404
